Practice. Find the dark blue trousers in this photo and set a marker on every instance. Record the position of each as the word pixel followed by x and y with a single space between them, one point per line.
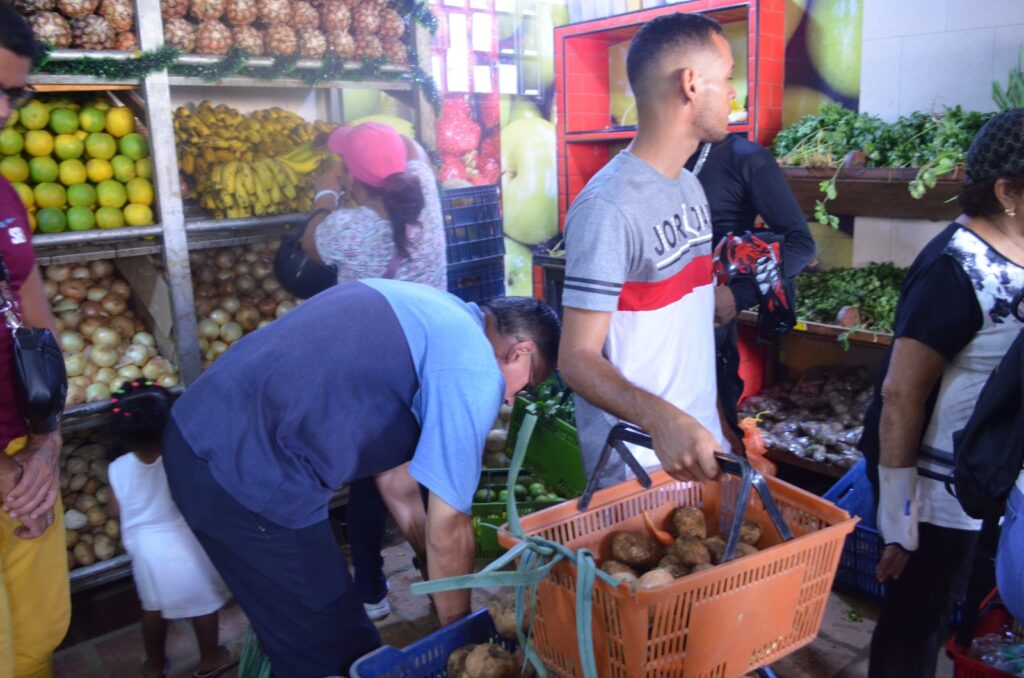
pixel 293 584
pixel 367 518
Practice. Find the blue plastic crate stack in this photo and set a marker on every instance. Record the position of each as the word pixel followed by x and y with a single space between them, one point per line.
pixel 475 242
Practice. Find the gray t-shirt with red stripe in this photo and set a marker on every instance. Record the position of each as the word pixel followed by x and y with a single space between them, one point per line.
pixel 638 245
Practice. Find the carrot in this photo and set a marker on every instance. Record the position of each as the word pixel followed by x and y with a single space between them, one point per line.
pixel 663 537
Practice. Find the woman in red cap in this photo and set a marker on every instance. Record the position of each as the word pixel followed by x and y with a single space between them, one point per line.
pixel 396 230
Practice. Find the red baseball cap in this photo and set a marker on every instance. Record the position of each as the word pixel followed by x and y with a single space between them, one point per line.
pixel 372 151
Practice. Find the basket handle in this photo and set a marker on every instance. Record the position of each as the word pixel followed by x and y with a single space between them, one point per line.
pixel 729 463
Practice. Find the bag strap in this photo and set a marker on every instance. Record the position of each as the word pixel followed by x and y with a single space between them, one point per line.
pixel 8 302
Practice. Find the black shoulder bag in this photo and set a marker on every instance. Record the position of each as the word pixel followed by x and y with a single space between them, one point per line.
pixel 40 380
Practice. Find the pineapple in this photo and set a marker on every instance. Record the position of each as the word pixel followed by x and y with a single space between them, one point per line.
pixel 74 9
pixel 335 16
pixel 179 33
pixel 366 18
pixel 92 32
pixel 170 9
pixel 281 40
pixel 391 25
pixel 275 12
pixel 249 39
pixel 33 6
pixel 312 44
pixel 51 28
pixel 120 14
pixel 241 12
pixel 341 43
pixel 213 37
pixel 126 42
pixel 395 51
pixel 368 46
pixel 304 16
pixel 207 10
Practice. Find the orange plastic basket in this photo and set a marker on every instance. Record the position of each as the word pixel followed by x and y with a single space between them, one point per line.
pixel 719 623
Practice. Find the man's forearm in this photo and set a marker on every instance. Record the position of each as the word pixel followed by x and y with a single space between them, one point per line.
pixel 450 553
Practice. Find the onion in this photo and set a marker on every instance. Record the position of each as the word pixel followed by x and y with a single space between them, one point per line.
pixel 281 294
pixel 105 375
pixel 71 319
pixel 230 304
pixel 116 384
pixel 195 259
pixel 267 307
pixel 106 337
pixel 272 246
pixel 261 269
pixel 245 284
pixel 223 275
pixel 97 392
pixel 121 289
pixel 156 367
pixel 224 259
pixel 167 380
pixel 72 289
pixel 80 273
pixel 227 288
pixel 65 305
pixel 71 342
pixel 92 310
pixel 58 273
pixel 103 356
pixel 135 355
pixel 209 329
pixel 231 332
pixel 203 306
pixel 81 381
pixel 207 275
pixel 124 326
pixel 114 304
pixel 247 317
pixel 217 348
pixel 129 372
pixel 242 268
pixel 144 338
pixel 60 324
pixel 90 369
pixel 283 308
pixel 101 268
pixel 251 256
pixel 88 326
pixel 74 364
pixel 263 323
pixel 49 288
pixel 269 284
pixel 219 316
pixel 204 345
pixel 95 293
pixel 76 395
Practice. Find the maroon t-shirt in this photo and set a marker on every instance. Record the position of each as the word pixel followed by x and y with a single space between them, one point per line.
pixel 16 247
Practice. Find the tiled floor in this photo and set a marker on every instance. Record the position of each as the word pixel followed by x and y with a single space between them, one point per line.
pixel 840 651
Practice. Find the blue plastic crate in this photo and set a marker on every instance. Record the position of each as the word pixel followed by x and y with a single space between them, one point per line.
pixel 863 548
pixel 429 657
pixel 472 223
pixel 478 280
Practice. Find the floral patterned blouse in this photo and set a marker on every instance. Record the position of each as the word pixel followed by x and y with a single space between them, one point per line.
pixel 359 242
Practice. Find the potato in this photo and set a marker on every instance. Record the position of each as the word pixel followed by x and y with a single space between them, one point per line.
pixel 112 529
pixel 77 482
pixel 85 502
pixel 103 494
pixel 655 578
pixel 636 549
pixel 702 567
pixel 627 577
pixel 689 521
pixel 525 670
pixel 72 561
pixel 750 532
pixel 91 452
pixel 70 538
pixel 668 560
pixel 503 613
pixel 84 554
pixel 90 487
pixel 677 570
pixel 69 498
pixel 65 480
pixel 457 660
pixel 745 550
pixel 74 520
pixel 96 516
pixel 490 661
pixel 613 567
pixel 691 551
pixel 85 538
pixel 98 467
pixel 496 440
pixel 716 547
pixel 104 548
pixel 76 466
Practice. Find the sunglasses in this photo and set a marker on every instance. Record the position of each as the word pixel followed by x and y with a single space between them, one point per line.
pixel 18 96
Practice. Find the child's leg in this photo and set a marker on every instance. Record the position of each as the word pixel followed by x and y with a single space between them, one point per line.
pixel 154 636
pixel 211 655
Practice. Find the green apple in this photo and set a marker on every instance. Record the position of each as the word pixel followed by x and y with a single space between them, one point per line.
pixel 529 183
pixel 548 16
pixel 357 103
pixel 513 108
pixel 834 42
pixel 794 14
pixel 398 124
pixel 800 101
pixel 518 272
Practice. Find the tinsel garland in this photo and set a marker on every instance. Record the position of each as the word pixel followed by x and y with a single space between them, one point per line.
pixel 140 66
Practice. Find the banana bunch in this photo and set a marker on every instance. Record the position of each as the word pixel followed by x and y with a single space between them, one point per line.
pixel 217 134
pixel 238 189
pixel 304 159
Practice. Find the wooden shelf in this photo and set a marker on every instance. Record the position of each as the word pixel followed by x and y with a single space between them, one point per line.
pixel 820 467
pixel 875 192
pixel 862 337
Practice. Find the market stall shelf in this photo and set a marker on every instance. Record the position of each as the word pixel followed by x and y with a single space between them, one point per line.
pixel 840 334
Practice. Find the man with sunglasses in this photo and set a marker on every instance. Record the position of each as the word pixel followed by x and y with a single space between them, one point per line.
pixel 35 606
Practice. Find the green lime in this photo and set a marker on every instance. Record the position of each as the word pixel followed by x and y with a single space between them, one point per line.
pixel 11 142
pixel 63 121
pixel 109 217
pixel 51 220
pixel 43 169
pixel 82 195
pixel 81 219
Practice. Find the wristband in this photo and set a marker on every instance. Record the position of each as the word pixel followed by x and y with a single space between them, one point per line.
pixel 327 192
pixel 897 506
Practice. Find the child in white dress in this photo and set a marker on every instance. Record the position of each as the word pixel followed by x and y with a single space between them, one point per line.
pixel 173 575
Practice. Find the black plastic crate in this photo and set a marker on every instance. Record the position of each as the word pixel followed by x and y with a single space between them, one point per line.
pixel 472 223
pixel 478 280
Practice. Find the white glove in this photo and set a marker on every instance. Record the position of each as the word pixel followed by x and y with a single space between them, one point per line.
pixel 897 506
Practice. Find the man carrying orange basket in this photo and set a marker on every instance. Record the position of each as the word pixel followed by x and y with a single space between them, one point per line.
pixel 638 341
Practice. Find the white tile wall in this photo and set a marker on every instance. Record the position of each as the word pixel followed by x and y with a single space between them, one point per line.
pixel 910 237
pixel 945 69
pixel 893 18
pixel 883 97
pixel 872 240
pixel 962 14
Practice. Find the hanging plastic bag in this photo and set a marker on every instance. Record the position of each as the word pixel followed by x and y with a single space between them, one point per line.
pixel 754 445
